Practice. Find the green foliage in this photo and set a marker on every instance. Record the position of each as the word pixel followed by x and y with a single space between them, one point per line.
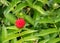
pixel 42 21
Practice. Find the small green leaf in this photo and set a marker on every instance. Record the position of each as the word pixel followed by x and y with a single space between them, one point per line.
pixel 11 36
pixel 48 31
pixel 57 1
pixel 29 2
pixel 11 6
pixel 10 17
pixel 46 20
pixel 27 32
pixel 43 1
pixel 55 40
pixel 43 41
pixel 28 38
pixel 14 40
pixel 4 2
pixel 29 19
pixel 20 7
pixel 39 9
pixel 12 28
pixel 4 32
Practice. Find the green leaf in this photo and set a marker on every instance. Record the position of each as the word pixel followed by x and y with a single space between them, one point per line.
pixel 10 17
pixel 55 40
pixel 43 41
pixel 4 34
pixel 57 1
pixel 43 1
pixel 53 35
pixel 29 2
pixel 46 20
pixel 12 28
pixel 14 40
pixel 48 31
pixel 11 6
pixel 20 7
pixel 57 15
pixel 28 38
pixel 36 15
pixel 27 32
pixel 4 2
pixel 11 36
pixel 0 35
pixel 39 9
pixel 29 19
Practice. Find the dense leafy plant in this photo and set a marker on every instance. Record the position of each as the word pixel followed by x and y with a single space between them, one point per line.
pixel 42 19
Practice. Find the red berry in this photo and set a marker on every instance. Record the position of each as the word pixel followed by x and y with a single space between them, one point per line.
pixel 20 23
